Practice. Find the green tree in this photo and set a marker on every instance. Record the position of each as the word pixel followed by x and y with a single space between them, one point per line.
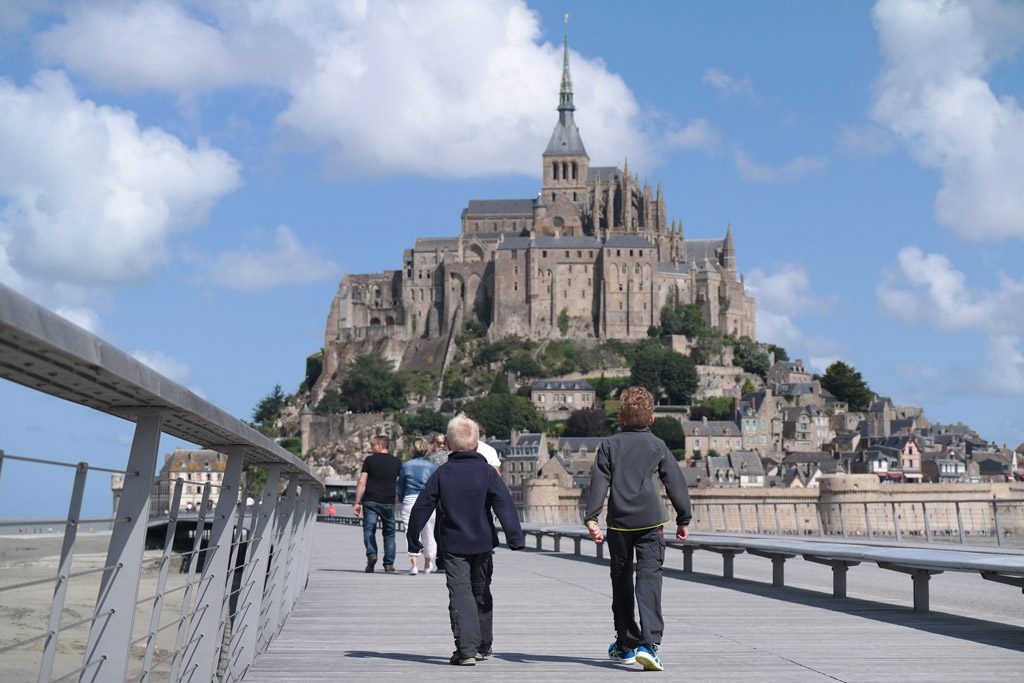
pixel 678 377
pixel 847 384
pixel 314 366
pixel 269 407
pixel 423 422
pixel 748 355
pixel 586 422
pixel 563 321
pixel 707 348
pixel 372 384
pixel 332 403
pixel 719 406
pixel 780 353
pixel 747 387
pixel 524 364
pixel 499 414
pixel 687 319
pixel 646 370
pixel 499 385
pixel 669 430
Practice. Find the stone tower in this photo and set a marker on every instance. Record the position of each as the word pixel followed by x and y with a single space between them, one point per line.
pixel 565 160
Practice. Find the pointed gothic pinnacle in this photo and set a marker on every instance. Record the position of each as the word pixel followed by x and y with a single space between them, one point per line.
pixel 565 95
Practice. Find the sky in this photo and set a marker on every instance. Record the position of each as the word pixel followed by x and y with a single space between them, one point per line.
pixel 190 180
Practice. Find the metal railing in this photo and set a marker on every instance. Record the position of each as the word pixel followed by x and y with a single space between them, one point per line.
pixel 970 521
pixel 117 611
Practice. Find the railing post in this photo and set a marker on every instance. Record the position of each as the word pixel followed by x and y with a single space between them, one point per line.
pixel 757 516
pixel 896 522
pixel 796 519
pixel 185 620
pixel 291 556
pixel 867 520
pixel 739 516
pixel 270 622
pixel 842 519
pixel 821 519
pixel 960 522
pixel 927 524
pixel 63 570
pixel 106 654
pixel 205 635
pixel 250 597
pixel 161 583
pixel 778 521
pixel 995 520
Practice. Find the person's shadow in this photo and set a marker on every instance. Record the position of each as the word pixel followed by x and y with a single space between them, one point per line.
pixel 515 657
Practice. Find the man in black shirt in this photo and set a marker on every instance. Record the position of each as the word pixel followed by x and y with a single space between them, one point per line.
pixel 375 495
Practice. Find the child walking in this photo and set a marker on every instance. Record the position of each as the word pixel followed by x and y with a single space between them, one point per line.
pixel 624 471
pixel 468 493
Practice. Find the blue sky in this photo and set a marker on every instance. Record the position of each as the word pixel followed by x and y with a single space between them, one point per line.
pixel 191 180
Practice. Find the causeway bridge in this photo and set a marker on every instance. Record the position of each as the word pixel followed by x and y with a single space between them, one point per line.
pixel 269 592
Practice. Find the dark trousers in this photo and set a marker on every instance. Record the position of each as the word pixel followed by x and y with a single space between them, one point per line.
pixel 469 601
pixel 386 514
pixel 648 547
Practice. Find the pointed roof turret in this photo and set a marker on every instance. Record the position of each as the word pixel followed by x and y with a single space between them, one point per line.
pixel 565 139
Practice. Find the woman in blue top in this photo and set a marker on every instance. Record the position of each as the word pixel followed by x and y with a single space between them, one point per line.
pixel 411 480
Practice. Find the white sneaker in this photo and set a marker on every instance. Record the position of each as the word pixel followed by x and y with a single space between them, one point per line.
pixel 414 571
pixel 429 570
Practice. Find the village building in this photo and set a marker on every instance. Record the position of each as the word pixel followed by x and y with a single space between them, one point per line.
pixel 557 399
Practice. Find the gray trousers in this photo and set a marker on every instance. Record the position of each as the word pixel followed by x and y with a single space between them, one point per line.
pixel 469 601
pixel 649 548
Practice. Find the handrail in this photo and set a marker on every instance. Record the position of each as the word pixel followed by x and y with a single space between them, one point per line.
pixel 920 563
pixel 218 633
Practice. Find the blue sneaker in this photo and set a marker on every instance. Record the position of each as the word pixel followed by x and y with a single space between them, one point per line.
pixel 647 656
pixel 621 654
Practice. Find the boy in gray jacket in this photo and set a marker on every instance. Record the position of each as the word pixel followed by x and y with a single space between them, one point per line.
pixel 625 470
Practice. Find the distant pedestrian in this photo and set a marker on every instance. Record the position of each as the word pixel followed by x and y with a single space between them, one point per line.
pixel 470 493
pixel 439 456
pixel 624 470
pixel 411 480
pixel 439 453
pixel 376 492
pixel 331 511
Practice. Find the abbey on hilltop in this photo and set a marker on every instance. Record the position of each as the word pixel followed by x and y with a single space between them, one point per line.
pixel 593 249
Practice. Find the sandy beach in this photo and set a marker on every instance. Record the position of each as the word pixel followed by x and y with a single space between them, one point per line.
pixel 24 611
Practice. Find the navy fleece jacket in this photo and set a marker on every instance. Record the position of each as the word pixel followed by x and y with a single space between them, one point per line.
pixel 467 491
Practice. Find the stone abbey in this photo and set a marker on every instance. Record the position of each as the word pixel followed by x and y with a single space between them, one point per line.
pixel 593 251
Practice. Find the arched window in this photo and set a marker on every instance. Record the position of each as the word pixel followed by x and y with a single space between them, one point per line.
pixel 554 170
pixel 574 171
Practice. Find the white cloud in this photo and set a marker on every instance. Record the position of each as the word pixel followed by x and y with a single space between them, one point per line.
pixel 726 84
pixel 783 296
pixel 698 135
pixel 791 171
pixel 928 288
pixel 1005 364
pixel 286 262
pixel 379 88
pixel 90 197
pixel 86 318
pixel 934 97
pixel 170 367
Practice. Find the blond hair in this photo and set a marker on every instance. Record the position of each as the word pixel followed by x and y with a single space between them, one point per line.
pixel 463 433
pixel 636 407
pixel 420 447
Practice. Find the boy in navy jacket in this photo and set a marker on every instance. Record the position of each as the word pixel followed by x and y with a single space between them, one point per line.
pixel 468 493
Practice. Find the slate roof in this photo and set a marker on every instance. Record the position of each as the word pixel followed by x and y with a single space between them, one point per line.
pixel 499 207
pixel 575 443
pixel 603 173
pixel 433 243
pixel 565 138
pixel 695 251
pixel 669 267
pixel 807 456
pixel 528 440
pixel 747 463
pixel 570 242
pixel 710 428
pixel 515 243
pixel 561 385
pixel 628 241
pixel 693 476
pixel 796 388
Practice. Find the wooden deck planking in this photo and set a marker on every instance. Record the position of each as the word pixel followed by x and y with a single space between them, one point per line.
pixel 553 623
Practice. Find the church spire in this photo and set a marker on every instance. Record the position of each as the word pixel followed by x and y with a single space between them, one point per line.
pixel 565 94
